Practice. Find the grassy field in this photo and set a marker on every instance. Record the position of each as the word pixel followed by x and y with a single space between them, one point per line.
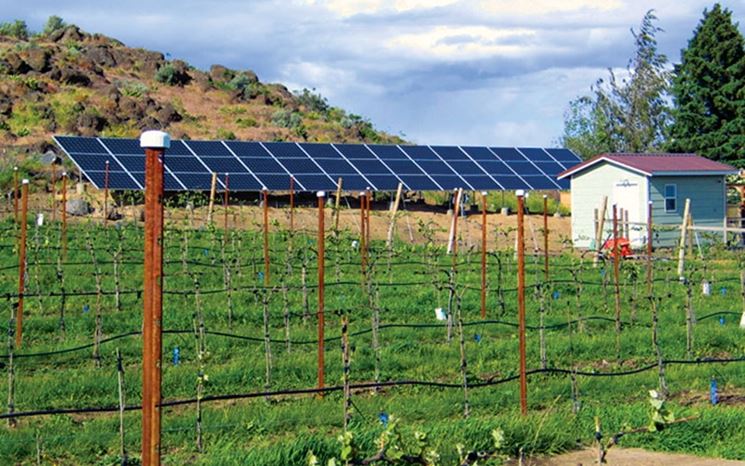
pixel 404 287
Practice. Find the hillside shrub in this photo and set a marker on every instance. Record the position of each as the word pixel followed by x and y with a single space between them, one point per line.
pixel 166 74
pixel 17 29
pixel 54 23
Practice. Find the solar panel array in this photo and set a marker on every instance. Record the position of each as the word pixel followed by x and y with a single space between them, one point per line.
pixel 252 166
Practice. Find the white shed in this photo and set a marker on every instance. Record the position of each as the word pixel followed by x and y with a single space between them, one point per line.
pixel 632 180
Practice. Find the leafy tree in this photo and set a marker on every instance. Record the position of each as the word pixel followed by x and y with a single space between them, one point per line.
pixel 17 29
pixel 709 91
pixel 54 23
pixel 628 114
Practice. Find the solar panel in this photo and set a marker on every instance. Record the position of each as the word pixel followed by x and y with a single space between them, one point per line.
pixel 253 165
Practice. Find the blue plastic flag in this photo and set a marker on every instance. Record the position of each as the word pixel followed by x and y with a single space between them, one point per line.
pixel 86 308
pixel 176 356
pixel 383 416
pixel 713 391
pixel 555 295
pixel 721 320
pixel 477 338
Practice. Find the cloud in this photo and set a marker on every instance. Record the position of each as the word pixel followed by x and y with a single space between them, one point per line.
pixel 440 71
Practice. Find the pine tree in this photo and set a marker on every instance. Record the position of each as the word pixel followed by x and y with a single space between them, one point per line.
pixel 709 91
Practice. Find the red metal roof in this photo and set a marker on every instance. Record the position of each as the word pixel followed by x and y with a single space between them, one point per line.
pixel 657 164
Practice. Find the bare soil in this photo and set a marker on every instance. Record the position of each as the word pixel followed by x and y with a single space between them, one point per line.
pixel 626 457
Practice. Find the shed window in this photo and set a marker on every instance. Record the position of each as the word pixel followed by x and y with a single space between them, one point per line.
pixel 671 198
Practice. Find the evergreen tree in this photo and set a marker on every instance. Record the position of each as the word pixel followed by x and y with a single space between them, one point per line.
pixel 627 114
pixel 709 91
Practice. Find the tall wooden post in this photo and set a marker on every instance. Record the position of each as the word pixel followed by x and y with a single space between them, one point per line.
pixel 650 239
pixel 225 199
pixel 54 192
pixel 63 231
pixel 616 278
pixel 22 263
pixel 368 208
pixel 545 238
pixel 211 207
pixel 336 204
pixel 453 237
pixel 521 300
pixel 484 228
pixel 265 202
pixel 363 233
pixel 321 284
pixel 15 194
pixel 394 211
pixel 106 193
pixel 683 234
pixel 155 143
pixel 292 205
pixel 599 231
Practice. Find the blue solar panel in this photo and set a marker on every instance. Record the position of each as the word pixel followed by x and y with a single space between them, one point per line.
pixel 248 150
pixel 206 149
pixel 318 166
pixel 95 162
pixel 316 182
pixel 277 182
pixel 386 152
pixel 80 145
pixel 325 151
pixel 298 165
pixel 184 164
pixel 523 168
pixel 241 182
pixel 466 168
pixel 450 153
pixel 354 183
pixel 508 153
pixel 480 153
pixel 222 164
pixel 336 167
pixel 435 168
pixel 481 182
pixel 564 183
pixel 355 151
pixel 117 180
pixel 285 149
pixel 564 155
pixel 383 182
pixel 510 182
pixel 123 146
pixel 420 183
pixel 170 183
pixel 420 153
pixel 535 154
pixel 262 165
pixel 403 166
pixel 372 167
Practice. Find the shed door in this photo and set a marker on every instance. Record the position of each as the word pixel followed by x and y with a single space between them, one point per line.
pixel 629 196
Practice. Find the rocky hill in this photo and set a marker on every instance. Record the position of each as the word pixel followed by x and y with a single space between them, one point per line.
pixel 67 81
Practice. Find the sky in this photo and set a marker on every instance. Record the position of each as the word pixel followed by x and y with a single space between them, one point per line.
pixel 455 72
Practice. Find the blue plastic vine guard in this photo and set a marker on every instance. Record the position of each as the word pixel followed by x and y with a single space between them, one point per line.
pixel 86 308
pixel 477 337
pixel 721 320
pixel 555 295
pixel 723 291
pixel 176 356
pixel 383 416
pixel 713 391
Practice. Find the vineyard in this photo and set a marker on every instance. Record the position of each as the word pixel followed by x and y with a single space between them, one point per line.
pixel 410 353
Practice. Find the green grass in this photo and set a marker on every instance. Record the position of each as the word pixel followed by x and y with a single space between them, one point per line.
pixel 283 430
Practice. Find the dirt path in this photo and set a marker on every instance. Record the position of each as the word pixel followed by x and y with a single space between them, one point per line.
pixel 628 457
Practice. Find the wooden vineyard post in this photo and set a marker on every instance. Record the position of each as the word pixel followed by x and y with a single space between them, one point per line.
pixel 225 199
pixel 321 276
pixel 15 194
pixel 616 273
pixel 394 211
pixel 683 234
pixel 265 202
pixel 363 235
pixel 345 371
pixel 545 238
pixel 599 231
pixel 154 143
pixel 650 238
pixel 368 206
pixel 484 227
pixel 213 187
pixel 521 300
pixel 742 293
pixel 292 206
pixel 54 192
pixel 22 263
pixel 106 193
pixel 453 237
pixel 336 205
pixel 63 232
